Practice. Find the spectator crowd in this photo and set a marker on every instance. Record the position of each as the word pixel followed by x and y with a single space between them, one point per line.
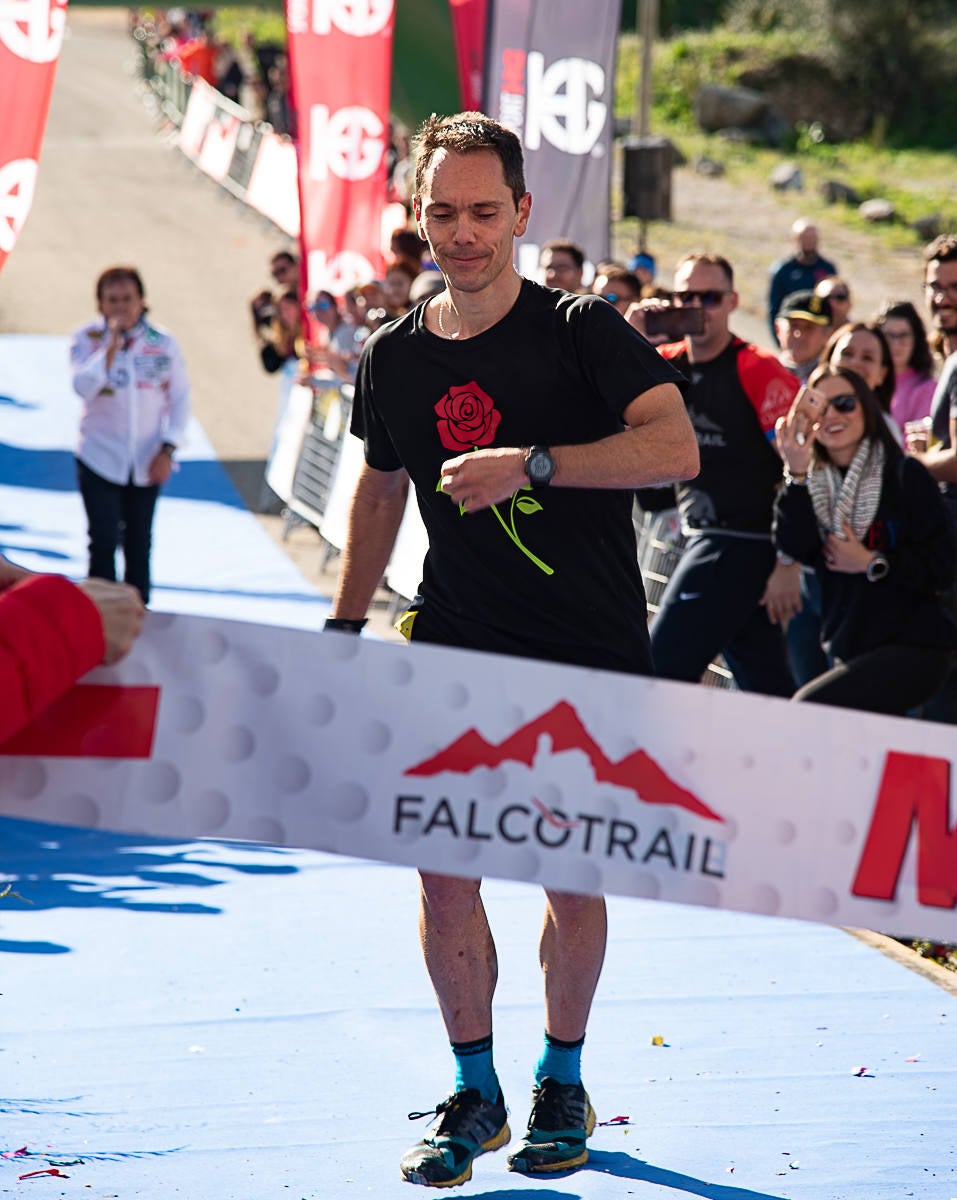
pixel 739 593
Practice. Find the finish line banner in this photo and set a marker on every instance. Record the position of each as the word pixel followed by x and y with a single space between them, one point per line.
pixel 474 764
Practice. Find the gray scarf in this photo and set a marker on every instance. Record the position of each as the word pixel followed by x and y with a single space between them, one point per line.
pixel 853 498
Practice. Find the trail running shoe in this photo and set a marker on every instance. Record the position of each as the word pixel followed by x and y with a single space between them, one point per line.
pixel 562 1118
pixel 469 1125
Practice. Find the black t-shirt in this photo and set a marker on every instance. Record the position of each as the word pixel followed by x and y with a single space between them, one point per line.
pixel 547 574
pixel 912 530
pixel 740 469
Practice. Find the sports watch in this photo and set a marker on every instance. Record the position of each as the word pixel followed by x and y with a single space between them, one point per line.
pixel 877 568
pixel 539 466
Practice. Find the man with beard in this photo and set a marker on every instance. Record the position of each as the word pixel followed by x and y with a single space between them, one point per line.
pixel 940 291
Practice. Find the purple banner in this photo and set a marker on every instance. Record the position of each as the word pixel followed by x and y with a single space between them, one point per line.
pixel 549 76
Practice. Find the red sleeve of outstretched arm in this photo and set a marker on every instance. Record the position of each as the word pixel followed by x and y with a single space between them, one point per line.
pixel 50 635
pixel 769 386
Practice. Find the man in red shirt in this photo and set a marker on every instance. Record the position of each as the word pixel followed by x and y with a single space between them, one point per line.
pixel 713 602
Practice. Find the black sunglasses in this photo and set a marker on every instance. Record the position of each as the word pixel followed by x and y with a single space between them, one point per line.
pixel 844 403
pixel 708 298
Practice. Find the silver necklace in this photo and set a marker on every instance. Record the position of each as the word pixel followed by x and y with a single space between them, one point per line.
pixel 442 330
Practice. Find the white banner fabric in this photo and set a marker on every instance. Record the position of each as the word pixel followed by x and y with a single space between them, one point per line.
pixel 474 764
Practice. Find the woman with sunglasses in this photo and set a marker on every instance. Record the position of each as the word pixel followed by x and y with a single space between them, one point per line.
pixel 872 523
pixel 861 348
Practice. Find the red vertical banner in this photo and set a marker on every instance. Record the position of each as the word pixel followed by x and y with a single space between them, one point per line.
pixel 31 33
pixel 340 64
pixel 469 20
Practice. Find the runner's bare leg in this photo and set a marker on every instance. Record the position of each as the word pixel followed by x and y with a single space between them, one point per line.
pixel 459 953
pixel 571 951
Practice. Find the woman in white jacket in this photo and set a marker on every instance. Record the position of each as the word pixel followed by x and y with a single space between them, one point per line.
pixel 132 379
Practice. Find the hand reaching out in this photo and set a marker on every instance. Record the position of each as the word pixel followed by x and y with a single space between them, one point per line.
pixel 121 610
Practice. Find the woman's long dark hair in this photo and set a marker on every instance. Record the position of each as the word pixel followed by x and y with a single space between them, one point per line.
pixel 875 426
pixel 921 360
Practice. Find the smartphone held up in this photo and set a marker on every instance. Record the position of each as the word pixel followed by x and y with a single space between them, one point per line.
pixel 673 322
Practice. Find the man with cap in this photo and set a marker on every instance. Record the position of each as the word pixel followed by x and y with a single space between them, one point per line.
pixel 802 327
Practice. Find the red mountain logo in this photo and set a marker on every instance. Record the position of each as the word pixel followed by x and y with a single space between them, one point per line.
pixel 638 771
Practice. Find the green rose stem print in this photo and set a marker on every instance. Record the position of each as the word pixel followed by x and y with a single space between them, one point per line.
pixel 467 421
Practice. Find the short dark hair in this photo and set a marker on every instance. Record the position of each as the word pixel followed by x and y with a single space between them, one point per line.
pixel 615 274
pixel 941 249
pixel 709 260
pixel 119 275
pixel 566 246
pixel 407 243
pixel 285 255
pixel 875 426
pixel 464 133
pixel 921 360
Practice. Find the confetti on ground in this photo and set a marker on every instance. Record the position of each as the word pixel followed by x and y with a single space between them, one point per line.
pixel 23 1152
pixel 49 1171
pixel 861 1073
pixel 616 1121
pixel 657 1040
pixel 914 1058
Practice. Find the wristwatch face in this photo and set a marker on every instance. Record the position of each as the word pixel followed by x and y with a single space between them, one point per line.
pixel 877 568
pixel 540 466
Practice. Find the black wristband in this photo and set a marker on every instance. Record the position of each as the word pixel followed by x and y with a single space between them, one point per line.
pixel 344 624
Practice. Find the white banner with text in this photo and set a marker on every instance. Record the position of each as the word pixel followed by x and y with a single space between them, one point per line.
pixel 475 764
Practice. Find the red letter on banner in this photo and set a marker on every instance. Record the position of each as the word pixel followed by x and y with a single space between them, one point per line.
pixel 30 38
pixel 913 788
pixel 340 64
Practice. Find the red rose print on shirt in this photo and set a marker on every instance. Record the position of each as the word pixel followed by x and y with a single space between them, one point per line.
pixel 467 421
pixel 468 418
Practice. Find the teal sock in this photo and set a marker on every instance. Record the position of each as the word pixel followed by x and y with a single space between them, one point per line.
pixel 561 1060
pixel 474 1068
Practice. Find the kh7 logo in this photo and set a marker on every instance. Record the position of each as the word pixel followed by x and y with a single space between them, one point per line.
pixel 350 142
pixel 33 29
pixel 558 102
pixel 593 833
pixel 355 18
pixel 17 182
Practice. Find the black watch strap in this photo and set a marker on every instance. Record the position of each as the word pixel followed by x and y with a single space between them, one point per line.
pixel 344 624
